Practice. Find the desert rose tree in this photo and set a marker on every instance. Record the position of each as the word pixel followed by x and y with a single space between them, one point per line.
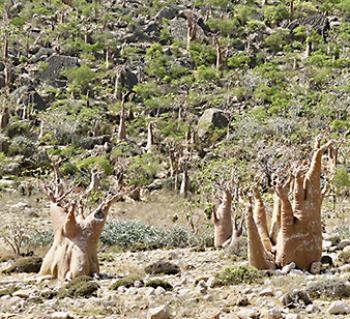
pixel 297 219
pixel 74 249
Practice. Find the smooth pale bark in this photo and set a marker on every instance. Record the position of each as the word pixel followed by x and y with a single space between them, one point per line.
pixel 74 249
pixel 222 219
pixel 299 238
pixel 258 257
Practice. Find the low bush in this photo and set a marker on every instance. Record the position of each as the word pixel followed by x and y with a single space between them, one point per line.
pixel 79 287
pixel 154 283
pixel 127 282
pixel 236 275
pixel 135 235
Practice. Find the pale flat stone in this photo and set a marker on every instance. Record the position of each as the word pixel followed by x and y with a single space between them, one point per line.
pixel 338 308
pixel 161 312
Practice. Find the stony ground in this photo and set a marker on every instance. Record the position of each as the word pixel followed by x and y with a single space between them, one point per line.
pixel 194 292
pixel 191 297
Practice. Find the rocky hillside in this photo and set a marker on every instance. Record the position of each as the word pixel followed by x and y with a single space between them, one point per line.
pixel 170 100
pixel 213 83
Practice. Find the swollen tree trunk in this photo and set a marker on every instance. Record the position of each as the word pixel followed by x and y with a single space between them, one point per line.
pixel 222 219
pixel 261 223
pixel 291 10
pixel 299 239
pixel 74 249
pixel 185 183
pixel 150 139
pixel 258 256
pixel 276 219
pixel 301 230
pixel 122 124
pixel 4 119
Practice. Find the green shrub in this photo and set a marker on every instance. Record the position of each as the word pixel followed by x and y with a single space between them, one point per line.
pixel 206 74
pixel 236 275
pixel 99 162
pixel 137 236
pixel 277 40
pixel 276 14
pixel 143 169
pixel 79 287
pixel 127 282
pixel 154 283
pixel 80 76
pixel 202 54
pixel 239 61
pixel 20 145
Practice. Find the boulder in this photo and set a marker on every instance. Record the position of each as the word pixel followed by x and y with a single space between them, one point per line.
pixel 211 119
pixel 338 307
pixel 88 143
pixel 169 12
pixel 329 289
pixel 27 95
pixel 296 299
pixel 161 312
pixel 128 78
pixel 25 265
pixel 249 313
pixel 55 65
pixel 162 267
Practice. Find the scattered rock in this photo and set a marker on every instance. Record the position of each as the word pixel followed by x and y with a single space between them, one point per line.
pixel 267 292
pixel 329 289
pixel 159 291
pixel 316 268
pixel 8 291
pixel 274 313
pixel 286 269
pixel 342 244
pixel 211 119
pixel 248 313
pixel 242 301
pixel 338 308
pixel 55 65
pixel 27 95
pixel 61 315
pixel 292 316
pixel 343 258
pixel 296 299
pixel 24 294
pixel 311 308
pixel 161 312
pixel 169 12
pixel 26 265
pixel 162 267
pixel 20 206
pixel 326 260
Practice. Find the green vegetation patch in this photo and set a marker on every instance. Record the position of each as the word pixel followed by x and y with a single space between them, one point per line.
pixel 154 283
pixel 127 282
pixel 8 291
pixel 83 286
pixel 26 265
pixel 236 275
pixel 329 290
